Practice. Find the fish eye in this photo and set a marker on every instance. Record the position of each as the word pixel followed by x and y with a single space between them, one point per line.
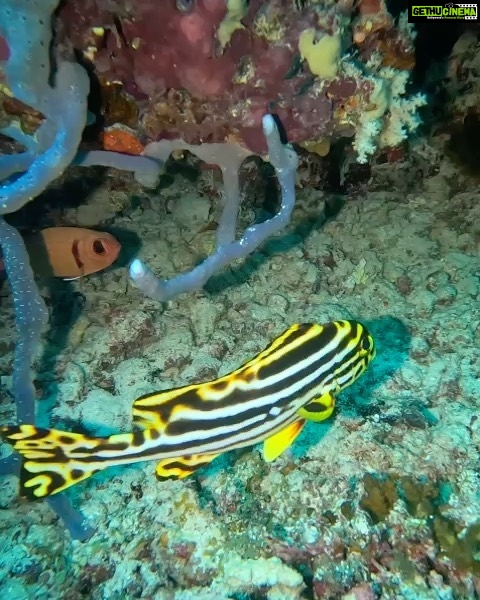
pixel 184 5
pixel 98 247
pixel 365 345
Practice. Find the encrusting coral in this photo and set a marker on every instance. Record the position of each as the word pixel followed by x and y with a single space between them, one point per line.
pixel 219 66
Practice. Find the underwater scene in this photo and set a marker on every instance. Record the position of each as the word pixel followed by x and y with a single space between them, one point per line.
pixel 239 300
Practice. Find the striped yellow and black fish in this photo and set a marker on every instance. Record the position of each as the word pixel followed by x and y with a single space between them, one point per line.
pixel 266 400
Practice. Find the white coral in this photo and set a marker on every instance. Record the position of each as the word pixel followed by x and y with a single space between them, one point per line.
pixel 397 124
pixel 284 582
pixel 395 114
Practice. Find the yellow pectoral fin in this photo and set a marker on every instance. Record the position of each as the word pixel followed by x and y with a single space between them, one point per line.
pixel 318 409
pixel 277 443
pixel 182 466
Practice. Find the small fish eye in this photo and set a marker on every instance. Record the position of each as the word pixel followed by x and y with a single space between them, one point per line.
pixel 184 5
pixel 365 345
pixel 98 247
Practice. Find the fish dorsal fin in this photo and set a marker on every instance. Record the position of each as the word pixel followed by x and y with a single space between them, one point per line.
pixel 280 441
pixel 159 408
pixel 292 335
pixel 183 466
pixel 318 409
pixel 155 410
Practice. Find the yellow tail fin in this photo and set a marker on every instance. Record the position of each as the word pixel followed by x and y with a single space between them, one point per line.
pixel 48 466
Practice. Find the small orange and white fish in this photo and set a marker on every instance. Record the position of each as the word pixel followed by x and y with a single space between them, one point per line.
pixel 70 252
pixel 266 400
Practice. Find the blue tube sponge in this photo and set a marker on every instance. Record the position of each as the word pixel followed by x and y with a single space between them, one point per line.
pixel 31 317
pixel 57 139
pixel 285 162
pixel 26 25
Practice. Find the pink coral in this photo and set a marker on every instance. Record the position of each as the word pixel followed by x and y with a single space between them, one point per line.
pixel 188 86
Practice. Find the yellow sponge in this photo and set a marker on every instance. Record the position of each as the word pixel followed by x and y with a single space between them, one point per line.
pixel 236 10
pixel 322 55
